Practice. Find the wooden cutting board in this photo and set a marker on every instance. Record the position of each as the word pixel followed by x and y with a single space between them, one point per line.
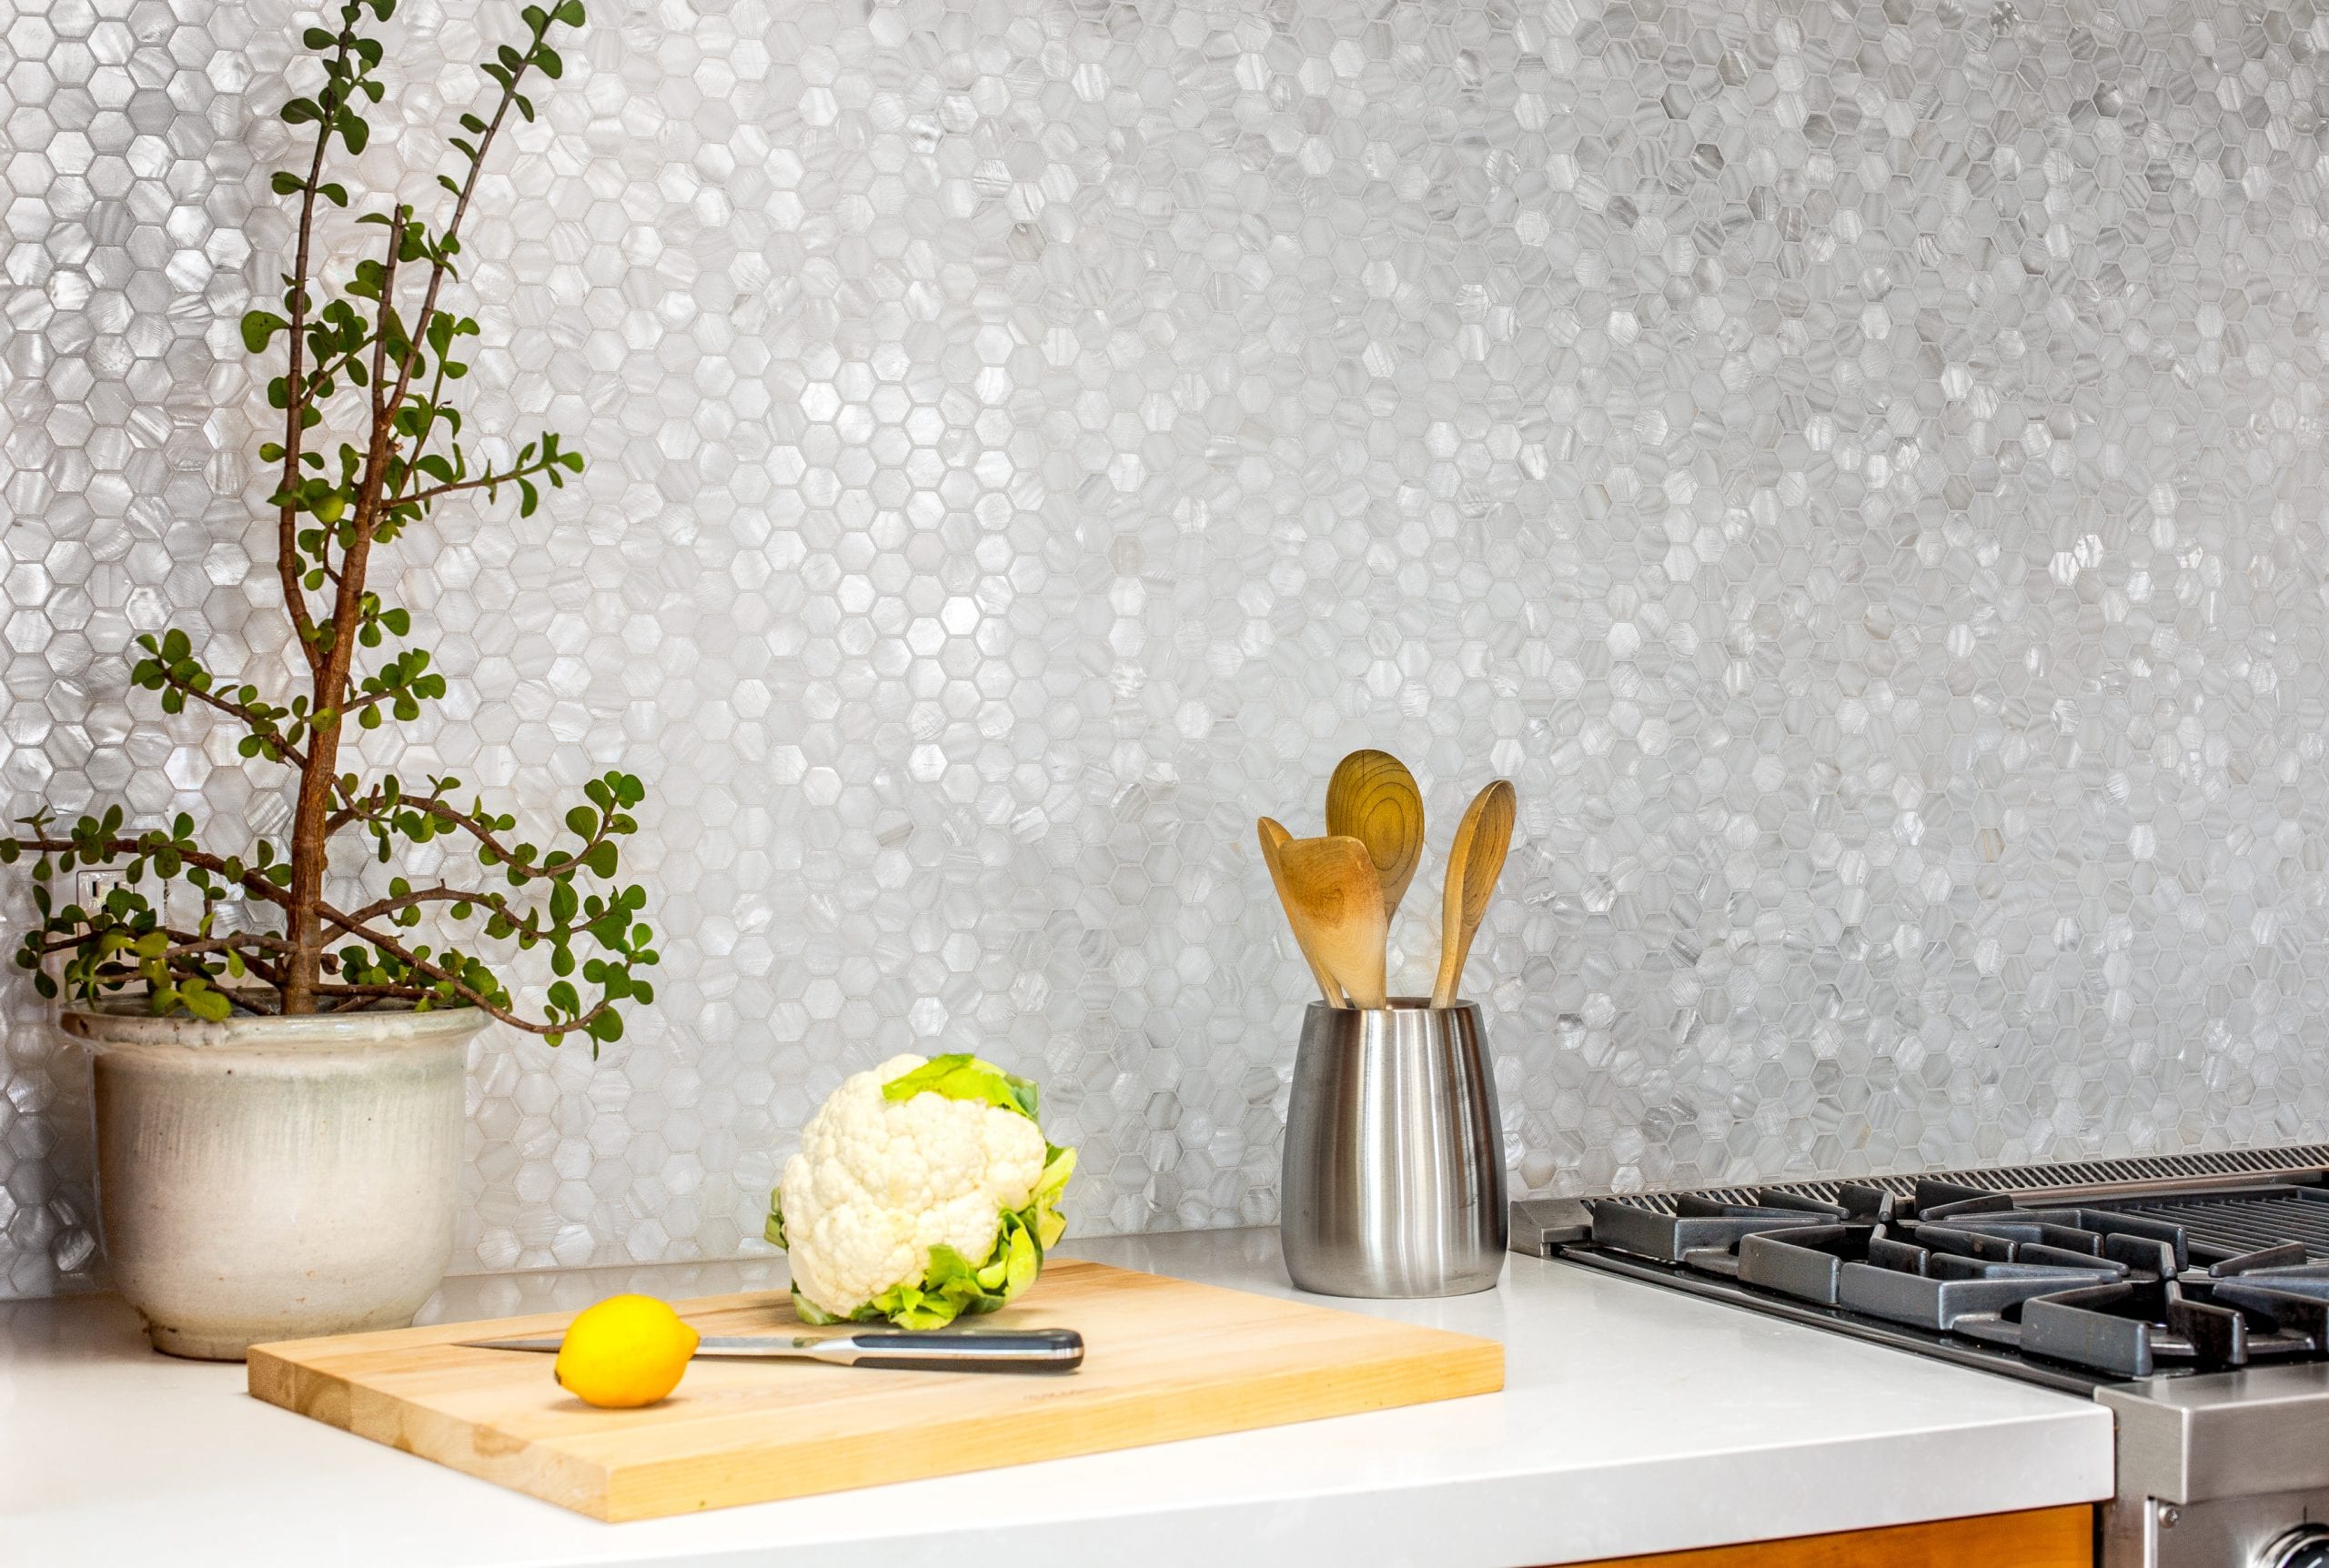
pixel 1164 1359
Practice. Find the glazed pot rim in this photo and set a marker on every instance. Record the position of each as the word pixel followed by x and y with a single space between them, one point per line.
pixel 119 1022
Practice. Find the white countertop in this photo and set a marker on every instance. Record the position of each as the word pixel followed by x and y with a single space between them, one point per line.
pixel 1633 1420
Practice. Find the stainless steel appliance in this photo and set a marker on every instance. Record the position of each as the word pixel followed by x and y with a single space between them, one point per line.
pixel 2190 1293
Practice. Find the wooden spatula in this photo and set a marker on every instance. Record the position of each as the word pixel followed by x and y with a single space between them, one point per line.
pixel 1335 903
pixel 1474 862
pixel 1373 798
pixel 1273 835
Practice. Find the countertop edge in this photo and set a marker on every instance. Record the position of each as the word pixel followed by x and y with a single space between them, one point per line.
pixel 1501 1520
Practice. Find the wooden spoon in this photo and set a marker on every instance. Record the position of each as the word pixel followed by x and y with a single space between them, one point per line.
pixel 1273 837
pixel 1373 798
pixel 1474 862
pixel 1335 903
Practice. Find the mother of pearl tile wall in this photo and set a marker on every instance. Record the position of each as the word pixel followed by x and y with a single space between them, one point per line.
pixel 1858 470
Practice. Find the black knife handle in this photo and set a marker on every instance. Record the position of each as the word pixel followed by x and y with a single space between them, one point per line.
pixel 983 1350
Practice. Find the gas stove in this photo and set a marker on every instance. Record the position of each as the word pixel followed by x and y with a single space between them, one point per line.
pixel 2190 1293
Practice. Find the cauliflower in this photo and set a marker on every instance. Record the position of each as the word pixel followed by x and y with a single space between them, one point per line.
pixel 923 1190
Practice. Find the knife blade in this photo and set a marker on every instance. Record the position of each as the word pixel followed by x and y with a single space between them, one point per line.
pixel 901 1350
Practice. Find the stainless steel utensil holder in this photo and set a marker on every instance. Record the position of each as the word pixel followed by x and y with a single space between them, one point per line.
pixel 1393 1181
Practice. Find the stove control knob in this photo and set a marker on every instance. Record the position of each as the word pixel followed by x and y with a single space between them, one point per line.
pixel 2306 1546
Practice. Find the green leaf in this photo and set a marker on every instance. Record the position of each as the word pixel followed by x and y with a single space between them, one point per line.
pixel 205 1003
pixel 1043 1206
pixel 964 1077
pixel 1022 1262
pixel 808 1313
pixel 774 1228
pixel 910 1307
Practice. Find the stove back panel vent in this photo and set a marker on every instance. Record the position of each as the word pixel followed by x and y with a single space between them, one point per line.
pixel 2304 1163
pixel 1538 1224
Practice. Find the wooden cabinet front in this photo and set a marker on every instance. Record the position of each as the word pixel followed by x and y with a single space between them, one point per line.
pixel 2038 1538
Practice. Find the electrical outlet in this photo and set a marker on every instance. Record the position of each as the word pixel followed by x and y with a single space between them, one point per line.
pixel 168 899
pixel 91 887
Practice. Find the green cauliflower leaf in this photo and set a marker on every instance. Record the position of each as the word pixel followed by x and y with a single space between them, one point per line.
pixel 1042 1209
pixel 962 1076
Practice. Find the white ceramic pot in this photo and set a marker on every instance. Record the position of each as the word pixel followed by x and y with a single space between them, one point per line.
pixel 276 1178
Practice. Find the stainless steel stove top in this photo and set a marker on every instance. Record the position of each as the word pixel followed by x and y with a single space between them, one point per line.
pixel 2190 1293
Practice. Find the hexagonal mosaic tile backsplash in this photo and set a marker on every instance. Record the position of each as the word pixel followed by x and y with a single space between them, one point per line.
pixel 1858 468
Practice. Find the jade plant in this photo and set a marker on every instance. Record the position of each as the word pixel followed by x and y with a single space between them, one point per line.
pixel 376 354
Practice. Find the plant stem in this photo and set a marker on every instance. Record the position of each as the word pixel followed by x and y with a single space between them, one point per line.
pixel 311 815
pixel 294 405
pixel 369 810
pixel 303 967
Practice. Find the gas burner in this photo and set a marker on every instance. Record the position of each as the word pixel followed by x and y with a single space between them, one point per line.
pixel 2102 1287
pixel 2189 1293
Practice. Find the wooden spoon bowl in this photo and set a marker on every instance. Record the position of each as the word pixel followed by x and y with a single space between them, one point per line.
pixel 1274 838
pixel 1335 903
pixel 1373 798
pixel 1474 862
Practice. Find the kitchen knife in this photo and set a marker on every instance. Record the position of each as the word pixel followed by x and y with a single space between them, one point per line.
pixel 996 1349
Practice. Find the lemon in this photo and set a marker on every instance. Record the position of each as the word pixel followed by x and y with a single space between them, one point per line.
pixel 625 1351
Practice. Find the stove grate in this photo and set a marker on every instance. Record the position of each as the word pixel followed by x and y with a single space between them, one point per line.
pixel 2193 1264
pixel 2245 1222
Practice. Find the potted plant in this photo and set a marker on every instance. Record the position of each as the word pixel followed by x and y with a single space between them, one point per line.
pixel 278 1076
